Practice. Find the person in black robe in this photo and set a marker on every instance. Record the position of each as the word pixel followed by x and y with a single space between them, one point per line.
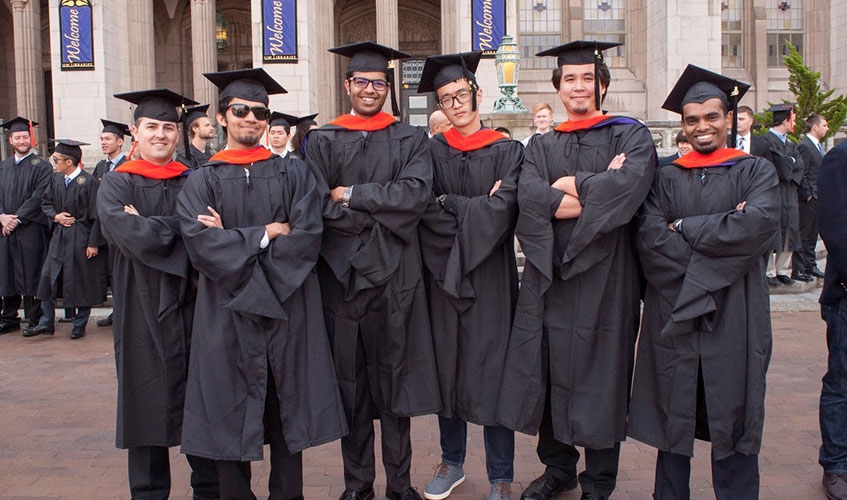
pixel 571 350
pixel 111 144
pixel 706 332
pixel 467 244
pixel 197 132
pixel 279 132
pixel 261 366
pixel 154 295
pixel 780 150
pixel 375 176
pixel 74 269
pixel 25 233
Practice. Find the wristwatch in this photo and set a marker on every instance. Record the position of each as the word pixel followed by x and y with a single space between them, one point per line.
pixel 345 198
pixel 677 225
pixel 441 199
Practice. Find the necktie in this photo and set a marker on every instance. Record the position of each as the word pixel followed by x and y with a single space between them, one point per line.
pixel 741 143
pixel 67 181
pixel 110 165
pixel 820 150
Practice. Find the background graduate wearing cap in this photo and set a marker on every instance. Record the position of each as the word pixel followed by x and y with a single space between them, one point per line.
pixel 706 333
pixel 198 132
pixel 571 349
pixel 467 245
pixel 23 245
pixel 74 269
pixel 111 145
pixel 279 131
pixel 153 291
pixel 297 144
pixel 375 174
pixel 781 150
pixel 261 367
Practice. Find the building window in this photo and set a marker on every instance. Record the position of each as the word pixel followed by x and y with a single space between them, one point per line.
pixel 732 20
pixel 540 26
pixel 605 20
pixel 784 24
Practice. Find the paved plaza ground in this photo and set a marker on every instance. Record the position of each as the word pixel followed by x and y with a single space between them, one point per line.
pixel 57 425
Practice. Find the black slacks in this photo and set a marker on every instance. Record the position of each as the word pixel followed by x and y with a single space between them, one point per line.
pixel 11 304
pixel 734 478
pixel 804 260
pixel 150 474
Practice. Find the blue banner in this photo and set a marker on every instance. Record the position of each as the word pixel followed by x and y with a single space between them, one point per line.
pixel 489 25
pixel 279 31
pixel 76 33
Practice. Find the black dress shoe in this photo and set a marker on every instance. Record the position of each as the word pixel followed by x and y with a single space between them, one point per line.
pixel 805 278
pixel 815 272
pixel 366 494
pixel 773 282
pixel 9 327
pixel 107 321
pixel 545 487
pixel 39 330
pixel 78 332
pixel 593 496
pixel 408 494
pixel 785 280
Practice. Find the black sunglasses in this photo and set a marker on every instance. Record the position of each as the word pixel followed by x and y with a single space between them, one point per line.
pixel 261 113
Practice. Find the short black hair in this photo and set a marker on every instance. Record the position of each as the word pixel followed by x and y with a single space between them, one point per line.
pixel 681 137
pixel 602 72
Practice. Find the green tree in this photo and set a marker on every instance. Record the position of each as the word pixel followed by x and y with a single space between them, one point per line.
pixel 805 85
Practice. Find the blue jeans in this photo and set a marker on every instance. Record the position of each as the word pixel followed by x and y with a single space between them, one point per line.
pixel 833 409
pixel 499 447
pixel 48 314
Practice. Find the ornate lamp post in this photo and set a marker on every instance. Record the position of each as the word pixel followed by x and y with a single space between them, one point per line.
pixel 507 61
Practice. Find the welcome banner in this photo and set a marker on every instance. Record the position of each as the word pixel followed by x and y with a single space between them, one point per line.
pixel 489 25
pixel 77 35
pixel 279 31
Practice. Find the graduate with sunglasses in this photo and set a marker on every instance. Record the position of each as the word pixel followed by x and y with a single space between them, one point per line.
pixel 467 243
pixel 375 176
pixel 153 291
pixel 261 367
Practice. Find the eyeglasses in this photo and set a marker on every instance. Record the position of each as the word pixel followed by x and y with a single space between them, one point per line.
pixel 57 159
pixel 362 83
pixel 461 97
pixel 261 113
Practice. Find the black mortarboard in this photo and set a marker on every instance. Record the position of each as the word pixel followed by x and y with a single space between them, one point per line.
pixel 368 56
pixel 18 124
pixel 582 52
pixel 248 84
pixel 194 113
pixel 158 104
pixel 117 128
pixel 441 70
pixel 278 118
pixel 781 111
pixel 69 147
pixel 698 85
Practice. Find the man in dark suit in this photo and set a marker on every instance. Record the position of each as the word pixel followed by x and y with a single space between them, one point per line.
pixel 684 147
pixel 803 262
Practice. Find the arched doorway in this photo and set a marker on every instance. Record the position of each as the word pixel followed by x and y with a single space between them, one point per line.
pixel 419 34
pixel 234 35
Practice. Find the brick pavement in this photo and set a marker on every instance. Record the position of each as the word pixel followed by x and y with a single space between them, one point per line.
pixel 57 417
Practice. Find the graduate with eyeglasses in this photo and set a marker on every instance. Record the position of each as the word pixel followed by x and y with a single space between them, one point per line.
pixel 375 176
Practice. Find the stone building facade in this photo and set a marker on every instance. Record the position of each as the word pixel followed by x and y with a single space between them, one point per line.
pixel 170 43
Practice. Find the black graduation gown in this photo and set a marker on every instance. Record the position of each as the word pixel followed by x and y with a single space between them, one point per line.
pixel 83 280
pixel 102 167
pixel 706 303
pixel 789 169
pixel 22 253
pixel 578 308
pixel 198 158
pixel 256 308
pixel 153 305
pixel 370 266
pixel 469 253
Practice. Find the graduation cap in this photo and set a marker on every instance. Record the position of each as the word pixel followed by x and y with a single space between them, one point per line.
pixel 369 56
pixel 278 119
pixel 117 128
pixel 158 104
pixel 438 71
pixel 248 84
pixel 698 85
pixel 582 52
pixel 69 147
pixel 781 112
pixel 21 124
pixel 194 113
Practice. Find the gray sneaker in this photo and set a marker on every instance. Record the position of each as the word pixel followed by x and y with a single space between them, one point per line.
pixel 500 490
pixel 446 478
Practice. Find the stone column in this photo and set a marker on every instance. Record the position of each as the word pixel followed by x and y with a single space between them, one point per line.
pixel 142 57
pixel 450 26
pixel 388 34
pixel 204 53
pixel 29 81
